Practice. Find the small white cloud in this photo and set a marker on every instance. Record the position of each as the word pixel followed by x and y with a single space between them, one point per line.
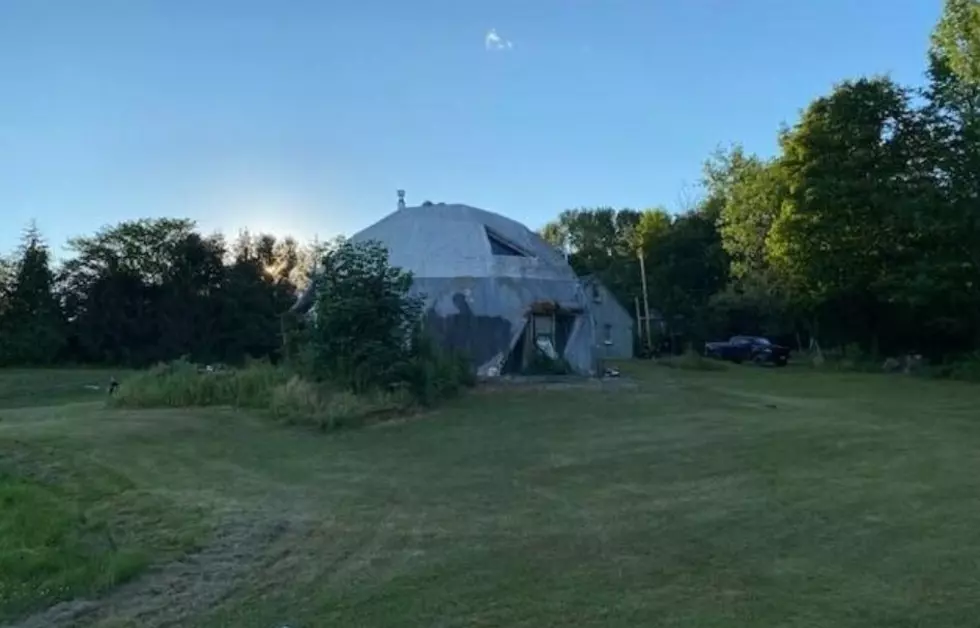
pixel 493 41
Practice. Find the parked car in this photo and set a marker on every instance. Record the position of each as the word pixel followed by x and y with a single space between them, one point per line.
pixel 755 349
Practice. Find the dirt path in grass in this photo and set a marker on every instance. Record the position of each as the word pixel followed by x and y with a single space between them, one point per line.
pixel 174 593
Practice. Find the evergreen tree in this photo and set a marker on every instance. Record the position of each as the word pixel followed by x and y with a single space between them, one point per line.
pixel 31 325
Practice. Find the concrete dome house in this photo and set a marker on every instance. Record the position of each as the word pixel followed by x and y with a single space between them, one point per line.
pixel 493 289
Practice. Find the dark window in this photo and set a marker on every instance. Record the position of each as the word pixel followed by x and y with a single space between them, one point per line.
pixel 499 246
pixel 544 325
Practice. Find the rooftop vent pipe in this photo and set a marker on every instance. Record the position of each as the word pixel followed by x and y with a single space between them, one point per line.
pixel 401 199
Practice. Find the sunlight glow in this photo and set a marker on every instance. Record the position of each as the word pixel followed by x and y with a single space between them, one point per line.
pixel 263 210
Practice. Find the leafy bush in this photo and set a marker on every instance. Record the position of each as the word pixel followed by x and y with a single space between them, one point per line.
pixel 363 318
pixel 691 360
pixel 964 368
pixel 367 335
pixel 431 373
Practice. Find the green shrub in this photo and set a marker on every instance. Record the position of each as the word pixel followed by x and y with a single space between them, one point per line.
pixel 364 317
pixel 366 335
pixel 966 368
pixel 691 360
pixel 431 374
pixel 963 368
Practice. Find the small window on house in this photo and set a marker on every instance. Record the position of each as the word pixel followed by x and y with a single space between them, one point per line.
pixel 500 246
pixel 544 335
pixel 607 331
pixel 544 325
pixel 596 294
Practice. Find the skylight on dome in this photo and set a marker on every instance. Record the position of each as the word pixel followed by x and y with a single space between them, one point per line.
pixel 499 246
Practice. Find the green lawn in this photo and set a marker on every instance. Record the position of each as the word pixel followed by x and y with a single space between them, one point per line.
pixel 744 497
pixel 26 387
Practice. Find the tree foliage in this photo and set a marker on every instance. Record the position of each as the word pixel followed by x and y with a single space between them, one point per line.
pixel 364 317
pixel 682 254
pixel 749 193
pixel 31 324
pixel 956 39
pixel 146 291
pixel 863 228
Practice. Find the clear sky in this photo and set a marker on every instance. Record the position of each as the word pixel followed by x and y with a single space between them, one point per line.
pixel 305 116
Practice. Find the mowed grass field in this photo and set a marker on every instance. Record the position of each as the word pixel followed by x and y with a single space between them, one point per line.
pixel 745 497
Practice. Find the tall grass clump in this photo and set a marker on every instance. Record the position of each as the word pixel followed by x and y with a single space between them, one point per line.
pixel 303 402
pixel 181 384
pixel 272 390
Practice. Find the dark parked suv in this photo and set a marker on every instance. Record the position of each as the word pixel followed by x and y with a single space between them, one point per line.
pixel 740 349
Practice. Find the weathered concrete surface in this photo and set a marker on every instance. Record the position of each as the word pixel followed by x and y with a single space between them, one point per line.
pixel 484 316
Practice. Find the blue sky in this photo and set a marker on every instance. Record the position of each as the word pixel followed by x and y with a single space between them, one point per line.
pixel 305 116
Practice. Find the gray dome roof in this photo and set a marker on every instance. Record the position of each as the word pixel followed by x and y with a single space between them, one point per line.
pixel 450 240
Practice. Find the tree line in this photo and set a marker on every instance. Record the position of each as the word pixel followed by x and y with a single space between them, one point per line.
pixel 863 230
pixel 146 291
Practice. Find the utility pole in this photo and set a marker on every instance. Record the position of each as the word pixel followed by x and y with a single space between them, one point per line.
pixel 639 318
pixel 646 298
